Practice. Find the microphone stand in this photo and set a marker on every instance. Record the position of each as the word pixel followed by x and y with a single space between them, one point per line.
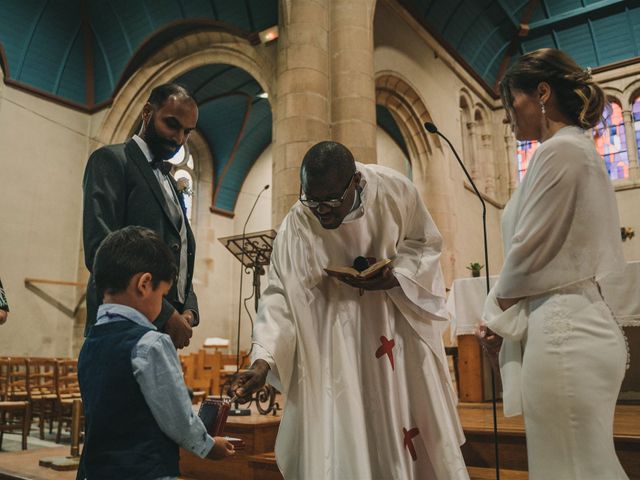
pixel 431 128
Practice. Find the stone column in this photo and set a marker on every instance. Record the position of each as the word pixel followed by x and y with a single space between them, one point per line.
pixel 512 164
pixel 490 166
pixel 353 115
pixel 325 87
pixel 472 155
pixel 632 148
pixel 301 116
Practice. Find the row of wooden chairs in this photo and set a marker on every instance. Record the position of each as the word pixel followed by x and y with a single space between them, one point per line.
pixel 44 388
pixel 207 371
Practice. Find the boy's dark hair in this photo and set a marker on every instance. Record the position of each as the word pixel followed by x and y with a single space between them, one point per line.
pixel 129 251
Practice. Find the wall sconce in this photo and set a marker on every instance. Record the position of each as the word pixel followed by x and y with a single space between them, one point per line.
pixel 627 233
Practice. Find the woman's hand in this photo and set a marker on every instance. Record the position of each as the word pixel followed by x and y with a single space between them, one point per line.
pixel 490 343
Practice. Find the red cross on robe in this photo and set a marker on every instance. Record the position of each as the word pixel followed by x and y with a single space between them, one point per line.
pixel 386 349
pixel 408 441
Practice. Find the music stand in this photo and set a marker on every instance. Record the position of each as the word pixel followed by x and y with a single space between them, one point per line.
pixel 253 250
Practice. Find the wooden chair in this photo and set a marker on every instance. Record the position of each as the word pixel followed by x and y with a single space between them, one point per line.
pixel 41 387
pixel 188 363
pixel 17 379
pixel 202 371
pixel 14 414
pixel 67 390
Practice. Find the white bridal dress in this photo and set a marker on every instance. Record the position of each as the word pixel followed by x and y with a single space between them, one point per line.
pixel 563 357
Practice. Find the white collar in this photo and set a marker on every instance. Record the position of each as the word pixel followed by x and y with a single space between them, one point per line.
pixel 357 210
pixel 144 147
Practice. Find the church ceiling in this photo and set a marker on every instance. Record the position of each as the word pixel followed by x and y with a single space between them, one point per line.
pixel 82 51
pixel 489 35
pixel 235 121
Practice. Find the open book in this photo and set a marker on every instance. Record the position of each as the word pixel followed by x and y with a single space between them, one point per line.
pixel 371 271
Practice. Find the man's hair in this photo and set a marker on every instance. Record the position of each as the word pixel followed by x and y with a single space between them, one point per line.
pixel 161 93
pixel 327 160
pixel 128 251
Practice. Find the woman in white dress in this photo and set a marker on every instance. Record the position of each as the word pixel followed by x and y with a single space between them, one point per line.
pixel 562 356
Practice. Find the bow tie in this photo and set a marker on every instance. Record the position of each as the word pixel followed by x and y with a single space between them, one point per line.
pixel 163 166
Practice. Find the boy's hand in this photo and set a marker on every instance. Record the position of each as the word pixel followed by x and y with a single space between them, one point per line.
pixel 221 449
pixel 179 329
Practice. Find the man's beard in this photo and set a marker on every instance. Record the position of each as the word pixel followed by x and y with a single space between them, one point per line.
pixel 161 148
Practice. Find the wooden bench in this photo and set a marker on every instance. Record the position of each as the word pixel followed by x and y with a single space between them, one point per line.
pixel 481 473
pixel 264 466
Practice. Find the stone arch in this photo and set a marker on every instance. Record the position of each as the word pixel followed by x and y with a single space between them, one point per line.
pixel 467 130
pixel 410 113
pixel 484 161
pixel 426 154
pixel 171 61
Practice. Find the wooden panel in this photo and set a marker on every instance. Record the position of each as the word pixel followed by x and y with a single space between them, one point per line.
pixel 264 467
pixel 470 369
pixel 259 434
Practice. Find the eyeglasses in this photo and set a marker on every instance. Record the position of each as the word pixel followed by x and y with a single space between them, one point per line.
pixel 335 203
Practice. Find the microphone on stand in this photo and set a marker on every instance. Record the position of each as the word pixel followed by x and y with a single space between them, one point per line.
pixel 431 128
pixel 256 283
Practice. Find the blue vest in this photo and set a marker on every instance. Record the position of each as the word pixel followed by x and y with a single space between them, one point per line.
pixel 122 439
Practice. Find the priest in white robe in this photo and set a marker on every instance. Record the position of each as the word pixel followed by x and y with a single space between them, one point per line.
pixel 361 363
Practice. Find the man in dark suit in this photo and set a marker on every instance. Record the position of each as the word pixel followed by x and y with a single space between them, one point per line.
pixel 130 184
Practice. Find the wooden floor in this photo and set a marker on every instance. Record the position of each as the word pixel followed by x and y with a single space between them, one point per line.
pixel 479 417
pixel 476 421
pixel 478 451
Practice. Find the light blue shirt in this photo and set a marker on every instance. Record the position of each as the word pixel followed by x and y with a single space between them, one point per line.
pixel 157 370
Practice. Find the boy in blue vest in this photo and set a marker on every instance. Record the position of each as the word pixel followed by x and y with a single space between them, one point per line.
pixel 136 405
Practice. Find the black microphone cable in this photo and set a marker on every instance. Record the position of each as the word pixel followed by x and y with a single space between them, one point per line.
pixel 431 128
pixel 242 271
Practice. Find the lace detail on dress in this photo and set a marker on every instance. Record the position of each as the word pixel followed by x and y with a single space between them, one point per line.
pixel 557 323
pixel 606 310
pixel 626 344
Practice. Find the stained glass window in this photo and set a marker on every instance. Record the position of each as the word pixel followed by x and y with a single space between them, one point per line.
pixel 611 141
pixel 635 114
pixel 524 152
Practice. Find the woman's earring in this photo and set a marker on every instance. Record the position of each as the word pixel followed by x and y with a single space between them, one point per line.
pixel 544 110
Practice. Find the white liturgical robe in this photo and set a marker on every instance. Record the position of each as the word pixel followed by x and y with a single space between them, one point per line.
pixel 368 390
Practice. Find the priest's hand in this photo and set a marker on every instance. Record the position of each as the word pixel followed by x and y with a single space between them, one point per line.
pixel 245 383
pixel 179 329
pixel 384 280
pixel 221 448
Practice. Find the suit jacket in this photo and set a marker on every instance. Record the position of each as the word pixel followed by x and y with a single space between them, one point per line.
pixel 120 189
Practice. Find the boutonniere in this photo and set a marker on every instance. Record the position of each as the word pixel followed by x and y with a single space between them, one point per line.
pixel 183 186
